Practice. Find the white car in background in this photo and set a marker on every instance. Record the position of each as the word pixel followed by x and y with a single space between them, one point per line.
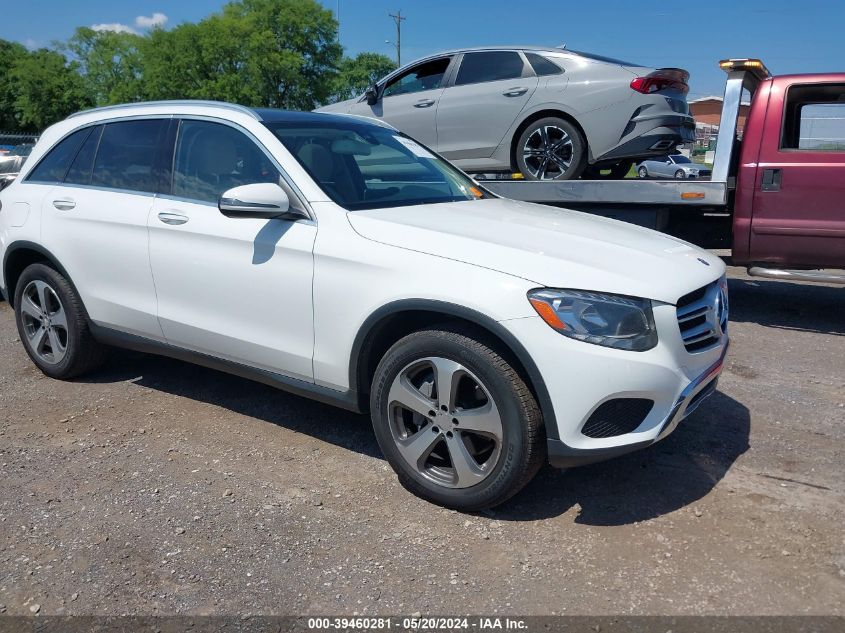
pixel 675 166
pixel 338 259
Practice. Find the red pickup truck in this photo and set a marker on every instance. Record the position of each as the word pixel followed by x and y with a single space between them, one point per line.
pixel 776 195
pixel 789 209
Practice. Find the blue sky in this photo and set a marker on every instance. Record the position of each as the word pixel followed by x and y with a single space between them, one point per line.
pixel 790 36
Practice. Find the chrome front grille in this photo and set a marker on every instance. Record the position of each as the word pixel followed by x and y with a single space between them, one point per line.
pixel 703 316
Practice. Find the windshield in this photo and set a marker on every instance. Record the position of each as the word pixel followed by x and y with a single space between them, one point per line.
pixel 681 159
pixel 364 166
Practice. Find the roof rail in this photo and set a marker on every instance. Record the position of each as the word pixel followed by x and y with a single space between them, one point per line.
pixel 175 102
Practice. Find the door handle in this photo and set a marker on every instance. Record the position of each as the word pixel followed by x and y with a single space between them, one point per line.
pixel 515 92
pixel 771 179
pixel 64 204
pixel 174 219
pixel 424 103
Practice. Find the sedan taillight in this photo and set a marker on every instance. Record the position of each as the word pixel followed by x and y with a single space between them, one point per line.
pixel 662 79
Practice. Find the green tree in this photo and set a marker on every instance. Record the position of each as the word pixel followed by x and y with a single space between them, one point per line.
pixel 10 53
pixel 198 61
pixel 110 63
pixel 292 52
pixel 266 53
pixel 46 88
pixel 358 73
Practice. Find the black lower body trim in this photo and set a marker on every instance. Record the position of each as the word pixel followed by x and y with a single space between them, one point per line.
pixel 563 456
pixel 344 399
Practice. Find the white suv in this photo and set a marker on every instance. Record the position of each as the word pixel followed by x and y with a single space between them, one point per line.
pixel 334 257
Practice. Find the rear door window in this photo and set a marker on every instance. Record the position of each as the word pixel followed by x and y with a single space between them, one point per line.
pixel 489 66
pixel 82 166
pixel 127 154
pixel 54 166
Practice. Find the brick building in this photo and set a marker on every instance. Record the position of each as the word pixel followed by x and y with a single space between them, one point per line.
pixel 707 112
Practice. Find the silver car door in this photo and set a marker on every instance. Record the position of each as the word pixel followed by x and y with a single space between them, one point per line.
pixel 490 90
pixel 408 101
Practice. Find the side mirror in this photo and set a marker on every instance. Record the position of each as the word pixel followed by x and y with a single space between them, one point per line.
pixel 264 201
pixel 372 95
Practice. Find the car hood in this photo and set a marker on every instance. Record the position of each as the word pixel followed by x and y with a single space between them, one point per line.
pixel 551 247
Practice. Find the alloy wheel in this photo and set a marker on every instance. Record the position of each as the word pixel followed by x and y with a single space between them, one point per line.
pixel 445 422
pixel 548 152
pixel 44 322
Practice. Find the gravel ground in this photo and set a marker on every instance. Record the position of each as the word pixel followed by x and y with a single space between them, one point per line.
pixel 156 487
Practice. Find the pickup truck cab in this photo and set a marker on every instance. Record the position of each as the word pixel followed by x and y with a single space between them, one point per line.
pixel 789 210
pixel 777 191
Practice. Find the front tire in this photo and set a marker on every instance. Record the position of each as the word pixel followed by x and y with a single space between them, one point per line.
pixel 680 175
pixel 642 172
pixel 455 420
pixel 551 149
pixel 53 325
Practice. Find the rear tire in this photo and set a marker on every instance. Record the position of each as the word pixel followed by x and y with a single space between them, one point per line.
pixel 470 444
pixel 53 325
pixel 551 149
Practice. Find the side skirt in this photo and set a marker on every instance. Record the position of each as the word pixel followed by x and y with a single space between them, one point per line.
pixel 344 399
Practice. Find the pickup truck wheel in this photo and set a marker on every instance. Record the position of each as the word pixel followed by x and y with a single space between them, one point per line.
pixel 455 421
pixel 551 149
pixel 680 175
pixel 52 324
pixel 642 172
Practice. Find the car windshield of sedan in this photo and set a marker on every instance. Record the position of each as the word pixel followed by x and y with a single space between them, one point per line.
pixel 681 159
pixel 364 166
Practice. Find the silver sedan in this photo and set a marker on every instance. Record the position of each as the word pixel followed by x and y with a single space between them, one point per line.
pixel 548 113
pixel 675 166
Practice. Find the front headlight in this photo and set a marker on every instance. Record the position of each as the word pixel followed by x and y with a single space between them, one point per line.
pixel 602 319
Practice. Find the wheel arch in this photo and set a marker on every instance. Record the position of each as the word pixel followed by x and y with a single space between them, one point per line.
pixel 542 114
pixel 395 320
pixel 21 254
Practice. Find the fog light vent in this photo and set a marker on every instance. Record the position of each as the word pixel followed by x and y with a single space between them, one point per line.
pixel 617 417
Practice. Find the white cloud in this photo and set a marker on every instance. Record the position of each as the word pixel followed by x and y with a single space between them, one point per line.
pixel 115 27
pixel 156 20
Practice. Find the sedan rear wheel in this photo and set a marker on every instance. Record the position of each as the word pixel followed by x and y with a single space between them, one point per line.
pixel 551 149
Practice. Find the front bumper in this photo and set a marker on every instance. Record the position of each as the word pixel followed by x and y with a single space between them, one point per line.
pixel 580 378
pixel 563 456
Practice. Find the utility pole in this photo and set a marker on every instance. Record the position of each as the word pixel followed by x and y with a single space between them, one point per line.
pixel 337 17
pixel 397 17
